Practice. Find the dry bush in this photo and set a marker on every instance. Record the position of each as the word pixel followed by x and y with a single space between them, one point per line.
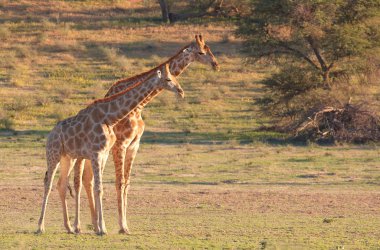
pixel 349 123
pixel 113 56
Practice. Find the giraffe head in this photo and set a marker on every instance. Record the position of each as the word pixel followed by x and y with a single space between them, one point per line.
pixel 202 53
pixel 169 82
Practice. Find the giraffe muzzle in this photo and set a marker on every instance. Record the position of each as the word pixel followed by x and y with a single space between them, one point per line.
pixel 215 66
pixel 180 93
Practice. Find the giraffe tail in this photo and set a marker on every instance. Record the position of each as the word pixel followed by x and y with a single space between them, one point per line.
pixel 70 190
pixel 68 185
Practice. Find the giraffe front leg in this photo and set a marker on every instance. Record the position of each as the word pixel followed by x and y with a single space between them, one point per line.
pixel 78 172
pixel 88 183
pixel 67 164
pixel 98 191
pixel 118 152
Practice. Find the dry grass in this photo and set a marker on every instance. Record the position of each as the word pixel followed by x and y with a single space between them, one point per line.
pixel 208 196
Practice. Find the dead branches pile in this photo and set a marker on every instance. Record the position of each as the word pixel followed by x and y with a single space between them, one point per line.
pixel 351 123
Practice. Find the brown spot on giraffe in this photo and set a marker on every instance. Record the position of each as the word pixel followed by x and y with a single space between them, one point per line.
pixel 78 142
pixel 113 106
pixel 70 143
pixel 134 103
pixel 78 128
pixel 87 125
pixel 98 129
pixel 105 108
pixel 97 115
pixel 71 131
pixel 81 135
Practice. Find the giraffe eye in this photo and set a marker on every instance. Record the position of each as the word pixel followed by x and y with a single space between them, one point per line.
pixel 201 53
pixel 168 80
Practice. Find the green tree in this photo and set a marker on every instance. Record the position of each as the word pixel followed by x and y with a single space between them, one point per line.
pixel 318 46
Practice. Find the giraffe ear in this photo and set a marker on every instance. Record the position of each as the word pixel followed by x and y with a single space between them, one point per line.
pixel 198 40
pixel 159 73
pixel 167 69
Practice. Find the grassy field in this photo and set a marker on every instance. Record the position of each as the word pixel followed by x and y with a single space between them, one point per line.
pixel 204 176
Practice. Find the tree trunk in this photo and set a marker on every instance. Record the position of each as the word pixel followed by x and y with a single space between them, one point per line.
pixel 326 78
pixel 164 10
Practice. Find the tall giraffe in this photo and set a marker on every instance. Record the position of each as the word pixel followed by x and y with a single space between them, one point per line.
pixel 129 131
pixel 89 135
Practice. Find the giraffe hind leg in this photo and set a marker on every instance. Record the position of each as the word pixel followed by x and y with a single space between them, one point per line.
pixel 67 164
pixel 52 163
pixel 118 151
pixel 129 159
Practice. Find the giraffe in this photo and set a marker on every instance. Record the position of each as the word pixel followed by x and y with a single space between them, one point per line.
pixel 89 135
pixel 129 131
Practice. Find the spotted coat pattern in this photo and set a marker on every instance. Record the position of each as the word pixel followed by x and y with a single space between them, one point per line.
pixel 90 135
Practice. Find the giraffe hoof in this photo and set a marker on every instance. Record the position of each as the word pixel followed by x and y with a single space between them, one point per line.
pixel 94 226
pixel 124 231
pixel 77 230
pixel 69 230
pixel 40 231
pixel 101 233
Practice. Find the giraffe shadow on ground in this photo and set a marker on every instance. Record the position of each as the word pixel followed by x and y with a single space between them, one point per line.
pixel 215 138
pixel 13 138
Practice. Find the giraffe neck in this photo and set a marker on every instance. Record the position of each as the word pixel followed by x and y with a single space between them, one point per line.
pixel 180 62
pixel 149 98
pixel 177 64
pixel 111 111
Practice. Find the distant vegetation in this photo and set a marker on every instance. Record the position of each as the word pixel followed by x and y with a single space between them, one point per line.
pixel 327 54
pixel 309 55
pixel 55 59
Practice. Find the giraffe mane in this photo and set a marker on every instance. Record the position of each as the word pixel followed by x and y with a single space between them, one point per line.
pixel 110 98
pixel 151 70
